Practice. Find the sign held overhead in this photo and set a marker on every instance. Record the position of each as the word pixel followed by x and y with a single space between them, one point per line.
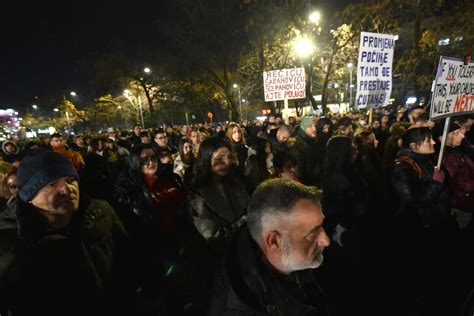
pixel 284 84
pixel 374 70
pixel 453 89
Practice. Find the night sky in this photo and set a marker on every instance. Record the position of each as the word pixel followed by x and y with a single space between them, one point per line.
pixel 45 46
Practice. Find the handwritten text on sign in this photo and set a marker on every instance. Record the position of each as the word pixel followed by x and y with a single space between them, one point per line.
pixel 374 69
pixel 454 88
pixel 284 84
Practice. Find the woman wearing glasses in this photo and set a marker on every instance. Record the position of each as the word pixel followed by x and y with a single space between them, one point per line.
pixel 150 202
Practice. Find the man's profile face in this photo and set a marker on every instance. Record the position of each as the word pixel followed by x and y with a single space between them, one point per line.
pixel 346 130
pixel 60 197
pixel 282 136
pixel 56 142
pixel 304 240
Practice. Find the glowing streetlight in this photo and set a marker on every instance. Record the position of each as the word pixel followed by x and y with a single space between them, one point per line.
pixel 34 106
pixel 73 93
pixel 304 47
pixel 315 17
pixel 56 110
pixel 147 70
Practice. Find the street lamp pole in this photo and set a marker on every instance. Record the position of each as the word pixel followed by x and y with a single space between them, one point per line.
pixel 350 66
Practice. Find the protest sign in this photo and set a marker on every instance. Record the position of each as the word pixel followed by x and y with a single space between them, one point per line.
pixel 284 84
pixel 453 92
pixel 374 70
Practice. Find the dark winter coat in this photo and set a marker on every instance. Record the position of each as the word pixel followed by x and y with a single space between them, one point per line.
pixel 245 285
pixel 218 211
pixel 79 270
pixel 241 151
pixel 423 202
pixel 309 156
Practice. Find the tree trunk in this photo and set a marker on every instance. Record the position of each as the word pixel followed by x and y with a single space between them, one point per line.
pixel 324 98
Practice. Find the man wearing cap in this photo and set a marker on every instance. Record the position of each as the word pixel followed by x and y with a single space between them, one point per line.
pixel 308 153
pixel 65 252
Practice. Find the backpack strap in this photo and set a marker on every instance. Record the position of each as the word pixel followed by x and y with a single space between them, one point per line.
pixel 412 163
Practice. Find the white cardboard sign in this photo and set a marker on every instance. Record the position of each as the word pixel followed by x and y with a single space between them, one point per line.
pixel 374 70
pixel 453 92
pixel 284 84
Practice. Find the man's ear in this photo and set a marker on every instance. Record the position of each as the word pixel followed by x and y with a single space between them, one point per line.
pixel 273 241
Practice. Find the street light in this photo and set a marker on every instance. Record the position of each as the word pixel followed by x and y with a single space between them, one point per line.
pixel 303 47
pixel 34 106
pixel 73 93
pixel 236 86
pixel 315 17
pixel 147 70
pixel 350 66
pixel 56 110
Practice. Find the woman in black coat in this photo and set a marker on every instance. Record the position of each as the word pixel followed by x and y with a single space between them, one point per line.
pixel 218 198
pixel 151 204
pixel 423 231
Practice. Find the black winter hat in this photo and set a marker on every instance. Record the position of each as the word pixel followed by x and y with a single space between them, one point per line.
pixel 40 168
pixel 438 129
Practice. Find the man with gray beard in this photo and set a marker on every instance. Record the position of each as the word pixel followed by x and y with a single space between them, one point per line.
pixel 269 266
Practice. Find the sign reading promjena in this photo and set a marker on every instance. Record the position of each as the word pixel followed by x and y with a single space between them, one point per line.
pixel 374 70
pixel 453 92
pixel 284 84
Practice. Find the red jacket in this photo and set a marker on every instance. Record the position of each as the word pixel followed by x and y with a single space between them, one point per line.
pixel 461 179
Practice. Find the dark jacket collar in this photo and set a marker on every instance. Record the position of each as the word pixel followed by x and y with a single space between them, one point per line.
pixel 261 287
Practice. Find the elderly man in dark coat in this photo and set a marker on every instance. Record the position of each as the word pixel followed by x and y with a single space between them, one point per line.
pixel 269 267
pixel 62 253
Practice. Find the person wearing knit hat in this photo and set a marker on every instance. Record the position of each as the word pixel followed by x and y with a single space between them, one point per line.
pixel 41 168
pixel 438 130
pixel 309 153
pixel 306 122
pixel 59 250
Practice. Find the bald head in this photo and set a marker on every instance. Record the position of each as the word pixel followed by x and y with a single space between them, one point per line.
pixel 283 134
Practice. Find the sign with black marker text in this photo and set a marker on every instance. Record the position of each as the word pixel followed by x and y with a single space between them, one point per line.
pixel 284 84
pixel 453 92
pixel 374 70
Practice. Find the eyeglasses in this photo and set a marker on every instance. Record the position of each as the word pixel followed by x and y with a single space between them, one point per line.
pixel 147 160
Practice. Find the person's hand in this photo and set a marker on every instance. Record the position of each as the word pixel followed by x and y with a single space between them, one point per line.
pixel 438 175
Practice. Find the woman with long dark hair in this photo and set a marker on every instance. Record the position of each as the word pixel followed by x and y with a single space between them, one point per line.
pixel 218 198
pixel 150 203
pixel 184 159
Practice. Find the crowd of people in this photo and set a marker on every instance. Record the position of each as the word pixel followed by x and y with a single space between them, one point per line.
pixel 233 218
